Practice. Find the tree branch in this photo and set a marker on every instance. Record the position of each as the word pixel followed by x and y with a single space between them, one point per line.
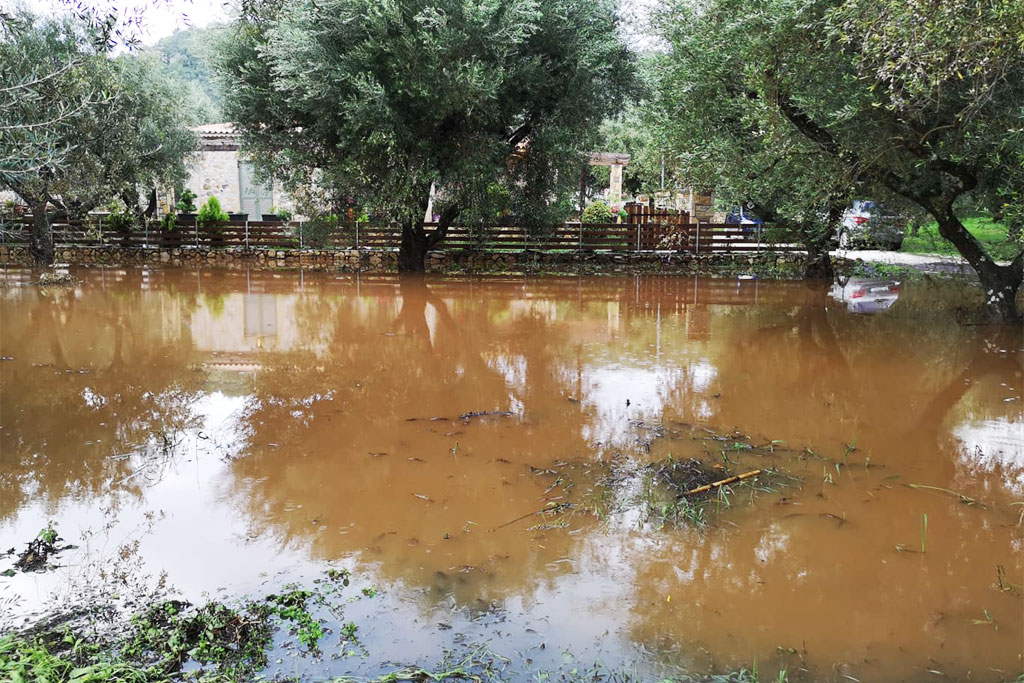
pixel 444 222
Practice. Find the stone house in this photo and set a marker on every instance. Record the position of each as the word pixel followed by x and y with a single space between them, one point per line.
pixel 219 169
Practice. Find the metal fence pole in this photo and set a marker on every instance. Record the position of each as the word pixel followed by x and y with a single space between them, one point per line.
pixel 698 237
pixel 247 232
pixel 196 225
pixel 101 230
pixel 357 235
pixel 579 248
pixel 639 227
pixel 146 243
pixel 300 235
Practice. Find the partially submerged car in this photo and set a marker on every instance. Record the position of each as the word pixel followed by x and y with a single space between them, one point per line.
pixel 868 224
pixel 866 295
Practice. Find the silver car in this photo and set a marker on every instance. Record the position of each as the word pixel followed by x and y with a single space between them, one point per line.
pixel 869 224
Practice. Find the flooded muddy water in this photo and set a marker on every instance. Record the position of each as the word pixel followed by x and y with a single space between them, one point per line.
pixel 483 453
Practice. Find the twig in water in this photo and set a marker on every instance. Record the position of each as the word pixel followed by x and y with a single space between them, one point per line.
pixel 554 508
pixel 723 482
pixel 966 500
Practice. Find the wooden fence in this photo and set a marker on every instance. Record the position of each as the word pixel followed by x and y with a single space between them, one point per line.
pixel 642 213
pixel 697 238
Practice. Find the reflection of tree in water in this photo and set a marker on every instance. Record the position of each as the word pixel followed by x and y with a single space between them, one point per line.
pixel 842 376
pixel 373 471
pixel 92 380
pixel 327 463
pixel 782 578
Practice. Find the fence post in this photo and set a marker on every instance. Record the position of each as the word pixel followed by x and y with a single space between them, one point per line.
pixel 196 225
pixel 759 239
pixel 579 248
pixel 357 234
pixel 146 243
pixel 639 227
pixel 698 237
pixel 247 232
pixel 101 231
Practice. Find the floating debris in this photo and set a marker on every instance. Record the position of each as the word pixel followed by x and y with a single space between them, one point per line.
pixel 36 556
pixel 486 413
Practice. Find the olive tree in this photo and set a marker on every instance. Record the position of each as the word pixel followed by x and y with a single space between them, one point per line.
pixel 885 98
pixel 720 133
pixel 394 102
pixel 80 127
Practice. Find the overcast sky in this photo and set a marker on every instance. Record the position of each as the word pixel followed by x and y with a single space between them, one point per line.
pixel 164 17
pixel 161 18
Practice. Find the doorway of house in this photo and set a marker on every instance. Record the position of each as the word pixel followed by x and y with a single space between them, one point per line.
pixel 257 199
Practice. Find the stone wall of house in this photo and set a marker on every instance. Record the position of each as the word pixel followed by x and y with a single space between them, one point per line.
pixel 216 173
pixel 438 261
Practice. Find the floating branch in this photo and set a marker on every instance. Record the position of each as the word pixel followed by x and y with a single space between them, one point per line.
pixel 723 482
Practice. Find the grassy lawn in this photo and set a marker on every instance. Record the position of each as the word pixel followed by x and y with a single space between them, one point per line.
pixel 992 236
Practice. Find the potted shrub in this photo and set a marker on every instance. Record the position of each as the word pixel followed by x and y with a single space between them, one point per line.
pixel 211 217
pixel 277 215
pixel 168 223
pixel 186 206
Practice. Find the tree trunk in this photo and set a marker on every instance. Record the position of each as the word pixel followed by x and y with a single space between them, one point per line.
pixel 412 253
pixel 1001 283
pixel 818 265
pixel 416 241
pixel 41 241
pixel 1001 290
pixel 151 205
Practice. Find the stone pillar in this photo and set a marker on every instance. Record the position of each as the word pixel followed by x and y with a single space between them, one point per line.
pixel 615 189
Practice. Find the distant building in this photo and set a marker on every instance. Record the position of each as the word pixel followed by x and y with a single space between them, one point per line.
pixel 219 169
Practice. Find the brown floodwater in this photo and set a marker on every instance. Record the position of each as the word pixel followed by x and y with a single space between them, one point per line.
pixel 237 430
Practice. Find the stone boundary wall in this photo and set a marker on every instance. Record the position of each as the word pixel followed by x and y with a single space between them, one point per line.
pixel 384 260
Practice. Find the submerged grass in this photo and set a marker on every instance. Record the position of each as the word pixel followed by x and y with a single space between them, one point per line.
pixel 671 491
pixel 66 658
pixel 691 493
pixel 172 640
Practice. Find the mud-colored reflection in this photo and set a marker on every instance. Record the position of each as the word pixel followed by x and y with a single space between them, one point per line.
pixel 95 376
pixel 421 427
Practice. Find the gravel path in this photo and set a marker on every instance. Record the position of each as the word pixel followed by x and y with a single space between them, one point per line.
pixel 926 263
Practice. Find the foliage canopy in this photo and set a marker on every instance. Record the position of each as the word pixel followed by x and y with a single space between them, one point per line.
pixel 817 102
pixel 79 127
pixel 380 102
